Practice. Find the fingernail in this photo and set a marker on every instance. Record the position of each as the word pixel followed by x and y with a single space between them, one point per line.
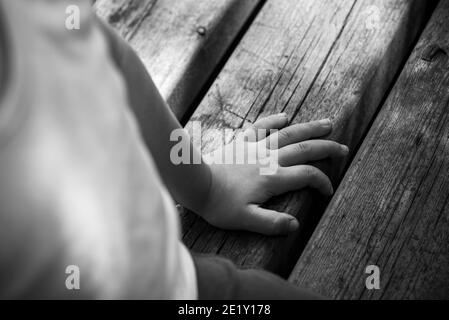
pixel 326 123
pixel 331 190
pixel 345 149
pixel 293 225
pixel 283 114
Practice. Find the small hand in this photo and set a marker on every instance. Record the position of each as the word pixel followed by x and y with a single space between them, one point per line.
pixel 238 190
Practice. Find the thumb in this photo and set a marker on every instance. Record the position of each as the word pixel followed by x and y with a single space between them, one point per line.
pixel 270 222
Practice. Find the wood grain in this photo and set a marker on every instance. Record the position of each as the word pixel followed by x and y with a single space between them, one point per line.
pixel 312 59
pixel 180 42
pixel 392 208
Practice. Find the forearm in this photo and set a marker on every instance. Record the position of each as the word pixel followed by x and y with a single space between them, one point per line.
pixel 157 122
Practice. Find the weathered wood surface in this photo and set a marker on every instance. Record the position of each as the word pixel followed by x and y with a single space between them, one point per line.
pixel 312 59
pixel 180 42
pixel 392 208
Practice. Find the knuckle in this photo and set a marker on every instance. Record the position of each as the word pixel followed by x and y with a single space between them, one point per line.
pixel 303 147
pixel 285 134
pixel 310 172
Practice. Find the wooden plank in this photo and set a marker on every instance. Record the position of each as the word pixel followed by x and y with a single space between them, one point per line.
pixel 312 59
pixel 180 42
pixel 392 208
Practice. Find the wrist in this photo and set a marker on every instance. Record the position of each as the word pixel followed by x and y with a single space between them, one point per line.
pixel 200 205
pixel 207 203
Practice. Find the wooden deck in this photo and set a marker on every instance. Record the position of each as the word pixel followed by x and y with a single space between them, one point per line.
pixel 228 62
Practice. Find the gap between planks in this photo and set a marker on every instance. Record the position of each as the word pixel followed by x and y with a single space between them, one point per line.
pixel 392 209
pixel 181 43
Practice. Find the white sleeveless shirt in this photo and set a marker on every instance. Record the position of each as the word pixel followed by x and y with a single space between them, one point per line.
pixel 77 186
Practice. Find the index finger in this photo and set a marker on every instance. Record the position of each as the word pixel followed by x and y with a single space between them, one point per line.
pixel 265 124
pixel 299 132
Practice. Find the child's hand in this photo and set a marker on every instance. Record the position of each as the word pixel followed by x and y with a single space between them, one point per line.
pixel 238 190
pixel 235 191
